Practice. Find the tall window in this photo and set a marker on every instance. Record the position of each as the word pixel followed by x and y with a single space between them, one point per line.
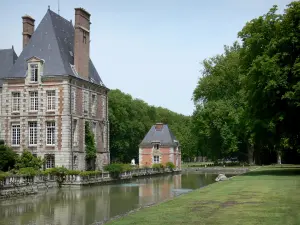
pixel 75 133
pixel 49 161
pixel 156 146
pixel 50 129
pixel 33 101
pixel 33 133
pixel 15 134
pixel 94 105
pixel 94 129
pixel 73 98
pixel 156 159
pixel 103 107
pixel 34 71
pixel 86 102
pixel 16 101
pixel 51 100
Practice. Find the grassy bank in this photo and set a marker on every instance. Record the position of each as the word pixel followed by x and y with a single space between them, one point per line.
pixel 268 195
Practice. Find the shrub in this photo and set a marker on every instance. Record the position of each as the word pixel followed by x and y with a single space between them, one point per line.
pixel 3 175
pixel 89 173
pixel 27 160
pixel 115 169
pixel 170 165
pixel 73 172
pixel 157 166
pixel 28 171
pixel 7 158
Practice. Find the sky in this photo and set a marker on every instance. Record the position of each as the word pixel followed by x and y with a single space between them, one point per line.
pixel 150 49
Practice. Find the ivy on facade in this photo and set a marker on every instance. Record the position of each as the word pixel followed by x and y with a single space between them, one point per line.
pixel 90 147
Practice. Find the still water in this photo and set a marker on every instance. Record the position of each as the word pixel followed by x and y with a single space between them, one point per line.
pixel 88 205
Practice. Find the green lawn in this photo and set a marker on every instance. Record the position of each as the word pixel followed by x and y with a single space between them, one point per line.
pixel 268 195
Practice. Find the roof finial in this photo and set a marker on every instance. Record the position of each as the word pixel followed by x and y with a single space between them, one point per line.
pixel 49 7
pixel 58 6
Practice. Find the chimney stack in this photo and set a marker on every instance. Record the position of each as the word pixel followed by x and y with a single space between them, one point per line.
pixel 28 29
pixel 82 42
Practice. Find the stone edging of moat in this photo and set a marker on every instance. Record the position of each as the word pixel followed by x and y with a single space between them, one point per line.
pixel 22 186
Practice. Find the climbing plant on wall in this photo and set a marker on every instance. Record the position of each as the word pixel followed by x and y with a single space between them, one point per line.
pixel 90 147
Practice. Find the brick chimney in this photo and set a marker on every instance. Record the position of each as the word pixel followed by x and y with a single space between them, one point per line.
pixel 28 29
pixel 82 42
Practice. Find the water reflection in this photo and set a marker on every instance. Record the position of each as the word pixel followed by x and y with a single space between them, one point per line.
pixel 87 205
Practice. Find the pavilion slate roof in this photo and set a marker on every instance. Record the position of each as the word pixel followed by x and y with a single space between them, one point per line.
pixel 53 42
pixel 7 58
pixel 163 135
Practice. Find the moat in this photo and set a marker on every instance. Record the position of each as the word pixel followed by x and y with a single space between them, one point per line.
pixel 89 205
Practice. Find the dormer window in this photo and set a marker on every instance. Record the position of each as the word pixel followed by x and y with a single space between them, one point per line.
pixel 34 71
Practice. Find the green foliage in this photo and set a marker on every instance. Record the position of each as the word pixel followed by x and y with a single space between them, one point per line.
pixel 130 120
pixel 7 158
pixel 247 99
pixel 28 171
pixel 60 174
pixel 27 160
pixel 89 173
pixel 90 147
pixel 74 172
pixel 115 169
pixel 158 166
pixel 3 175
pixel 170 165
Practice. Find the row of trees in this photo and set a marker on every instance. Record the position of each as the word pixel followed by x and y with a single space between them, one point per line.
pixel 248 98
pixel 130 120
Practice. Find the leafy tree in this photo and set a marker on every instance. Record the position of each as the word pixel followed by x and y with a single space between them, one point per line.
pixel 27 160
pixel 7 158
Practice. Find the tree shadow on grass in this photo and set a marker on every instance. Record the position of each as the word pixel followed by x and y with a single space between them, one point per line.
pixel 274 172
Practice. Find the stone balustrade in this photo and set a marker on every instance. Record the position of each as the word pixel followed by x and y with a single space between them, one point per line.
pixel 24 185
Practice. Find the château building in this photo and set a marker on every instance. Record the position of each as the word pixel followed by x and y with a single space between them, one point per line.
pixel 159 146
pixel 50 91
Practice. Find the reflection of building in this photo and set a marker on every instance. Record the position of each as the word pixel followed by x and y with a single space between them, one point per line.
pixel 50 91
pixel 156 189
pixel 159 146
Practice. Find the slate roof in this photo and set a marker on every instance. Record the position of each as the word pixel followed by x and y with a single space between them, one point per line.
pixel 7 58
pixel 164 136
pixel 52 41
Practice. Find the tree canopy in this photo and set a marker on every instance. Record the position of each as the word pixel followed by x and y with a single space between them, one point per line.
pixel 247 99
pixel 130 120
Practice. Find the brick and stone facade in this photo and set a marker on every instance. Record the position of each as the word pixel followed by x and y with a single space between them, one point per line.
pixel 159 146
pixel 45 101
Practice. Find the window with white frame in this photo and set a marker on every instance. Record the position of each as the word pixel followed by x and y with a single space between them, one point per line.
pixel 15 134
pixel 73 99
pixel 50 133
pixel 33 133
pixel 16 101
pixel 34 71
pixel 86 102
pixel 75 133
pixel 49 161
pixel 94 104
pixel 155 159
pixel 51 100
pixel 34 103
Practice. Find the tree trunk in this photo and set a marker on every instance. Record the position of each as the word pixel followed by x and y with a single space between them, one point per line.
pixel 250 154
